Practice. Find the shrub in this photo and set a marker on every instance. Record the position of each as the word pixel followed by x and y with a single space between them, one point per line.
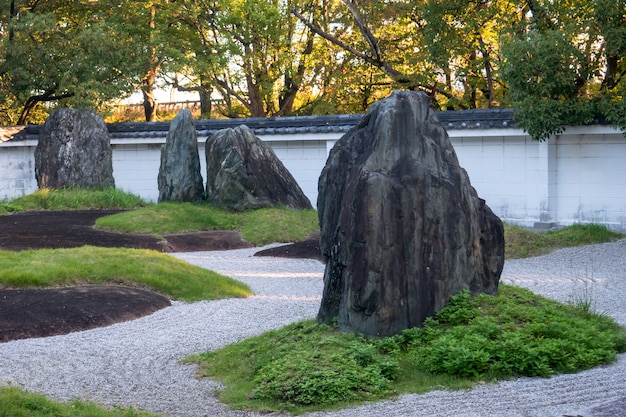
pixel 518 334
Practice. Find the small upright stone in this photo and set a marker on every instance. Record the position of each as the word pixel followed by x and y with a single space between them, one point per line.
pixel 74 150
pixel 402 229
pixel 180 177
pixel 244 173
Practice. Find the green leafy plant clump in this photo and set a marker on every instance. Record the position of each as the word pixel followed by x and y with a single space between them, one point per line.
pixel 306 366
pixel 302 366
pixel 516 333
pixel 16 402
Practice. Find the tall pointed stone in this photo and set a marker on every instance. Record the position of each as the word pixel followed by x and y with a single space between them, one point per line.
pixel 74 150
pixel 244 173
pixel 402 229
pixel 180 177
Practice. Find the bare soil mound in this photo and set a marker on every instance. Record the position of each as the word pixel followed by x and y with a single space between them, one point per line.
pixel 40 313
pixel 54 311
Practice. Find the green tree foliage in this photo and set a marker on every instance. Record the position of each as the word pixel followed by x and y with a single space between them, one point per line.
pixel 449 49
pixel 559 62
pixel 253 54
pixel 54 51
pixel 566 65
pixel 462 38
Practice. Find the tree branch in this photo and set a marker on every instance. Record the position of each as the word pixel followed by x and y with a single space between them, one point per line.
pixel 32 101
pixel 232 92
pixel 317 30
pixel 387 68
pixel 367 33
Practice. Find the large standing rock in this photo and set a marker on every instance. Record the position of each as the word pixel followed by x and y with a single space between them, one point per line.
pixel 402 229
pixel 243 173
pixel 180 177
pixel 74 150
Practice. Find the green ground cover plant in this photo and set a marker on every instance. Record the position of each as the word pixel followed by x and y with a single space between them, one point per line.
pixel 306 366
pixel 159 272
pixel 19 403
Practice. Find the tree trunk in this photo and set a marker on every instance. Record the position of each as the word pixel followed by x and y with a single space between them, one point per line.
pixel 488 72
pixel 28 107
pixel 611 70
pixel 256 101
pixel 147 83
pixel 12 14
pixel 149 103
pixel 205 91
pixel 292 84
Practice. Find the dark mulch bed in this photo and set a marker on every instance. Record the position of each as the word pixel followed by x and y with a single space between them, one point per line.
pixel 40 313
pixel 54 311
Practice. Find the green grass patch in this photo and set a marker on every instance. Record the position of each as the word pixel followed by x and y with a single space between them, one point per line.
pixel 162 273
pixel 269 225
pixel 280 224
pixel 306 366
pixel 15 402
pixel 525 243
pixel 170 217
pixel 259 227
pixel 73 199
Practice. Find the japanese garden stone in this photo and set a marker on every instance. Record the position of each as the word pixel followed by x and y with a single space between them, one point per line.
pixel 402 229
pixel 74 150
pixel 244 173
pixel 180 177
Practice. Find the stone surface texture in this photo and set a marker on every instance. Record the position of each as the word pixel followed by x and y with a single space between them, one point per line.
pixel 244 173
pixel 402 229
pixel 74 150
pixel 180 177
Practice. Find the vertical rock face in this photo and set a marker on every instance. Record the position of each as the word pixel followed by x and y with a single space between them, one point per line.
pixel 180 177
pixel 402 229
pixel 243 173
pixel 74 150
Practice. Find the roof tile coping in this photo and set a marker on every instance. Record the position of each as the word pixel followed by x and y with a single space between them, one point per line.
pixel 450 119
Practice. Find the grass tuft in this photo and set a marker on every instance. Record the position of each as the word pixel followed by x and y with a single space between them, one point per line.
pixel 74 199
pixel 525 243
pixel 16 402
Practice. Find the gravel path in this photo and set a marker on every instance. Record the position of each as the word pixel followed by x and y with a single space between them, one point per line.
pixel 136 363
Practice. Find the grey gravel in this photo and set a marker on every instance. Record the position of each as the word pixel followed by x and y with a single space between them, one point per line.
pixel 137 363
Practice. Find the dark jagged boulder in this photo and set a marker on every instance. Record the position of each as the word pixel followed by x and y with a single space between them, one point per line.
pixel 402 229
pixel 180 177
pixel 244 173
pixel 74 150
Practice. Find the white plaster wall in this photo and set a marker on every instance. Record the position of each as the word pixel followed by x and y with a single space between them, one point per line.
pixel 135 169
pixel 305 161
pixel 17 171
pixel 136 166
pixel 591 182
pixel 578 177
pixel 509 173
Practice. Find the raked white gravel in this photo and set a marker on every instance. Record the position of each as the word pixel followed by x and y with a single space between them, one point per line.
pixel 136 363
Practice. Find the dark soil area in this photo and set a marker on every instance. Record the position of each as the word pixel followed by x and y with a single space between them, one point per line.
pixel 49 312
pixel 26 313
pixel 70 229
